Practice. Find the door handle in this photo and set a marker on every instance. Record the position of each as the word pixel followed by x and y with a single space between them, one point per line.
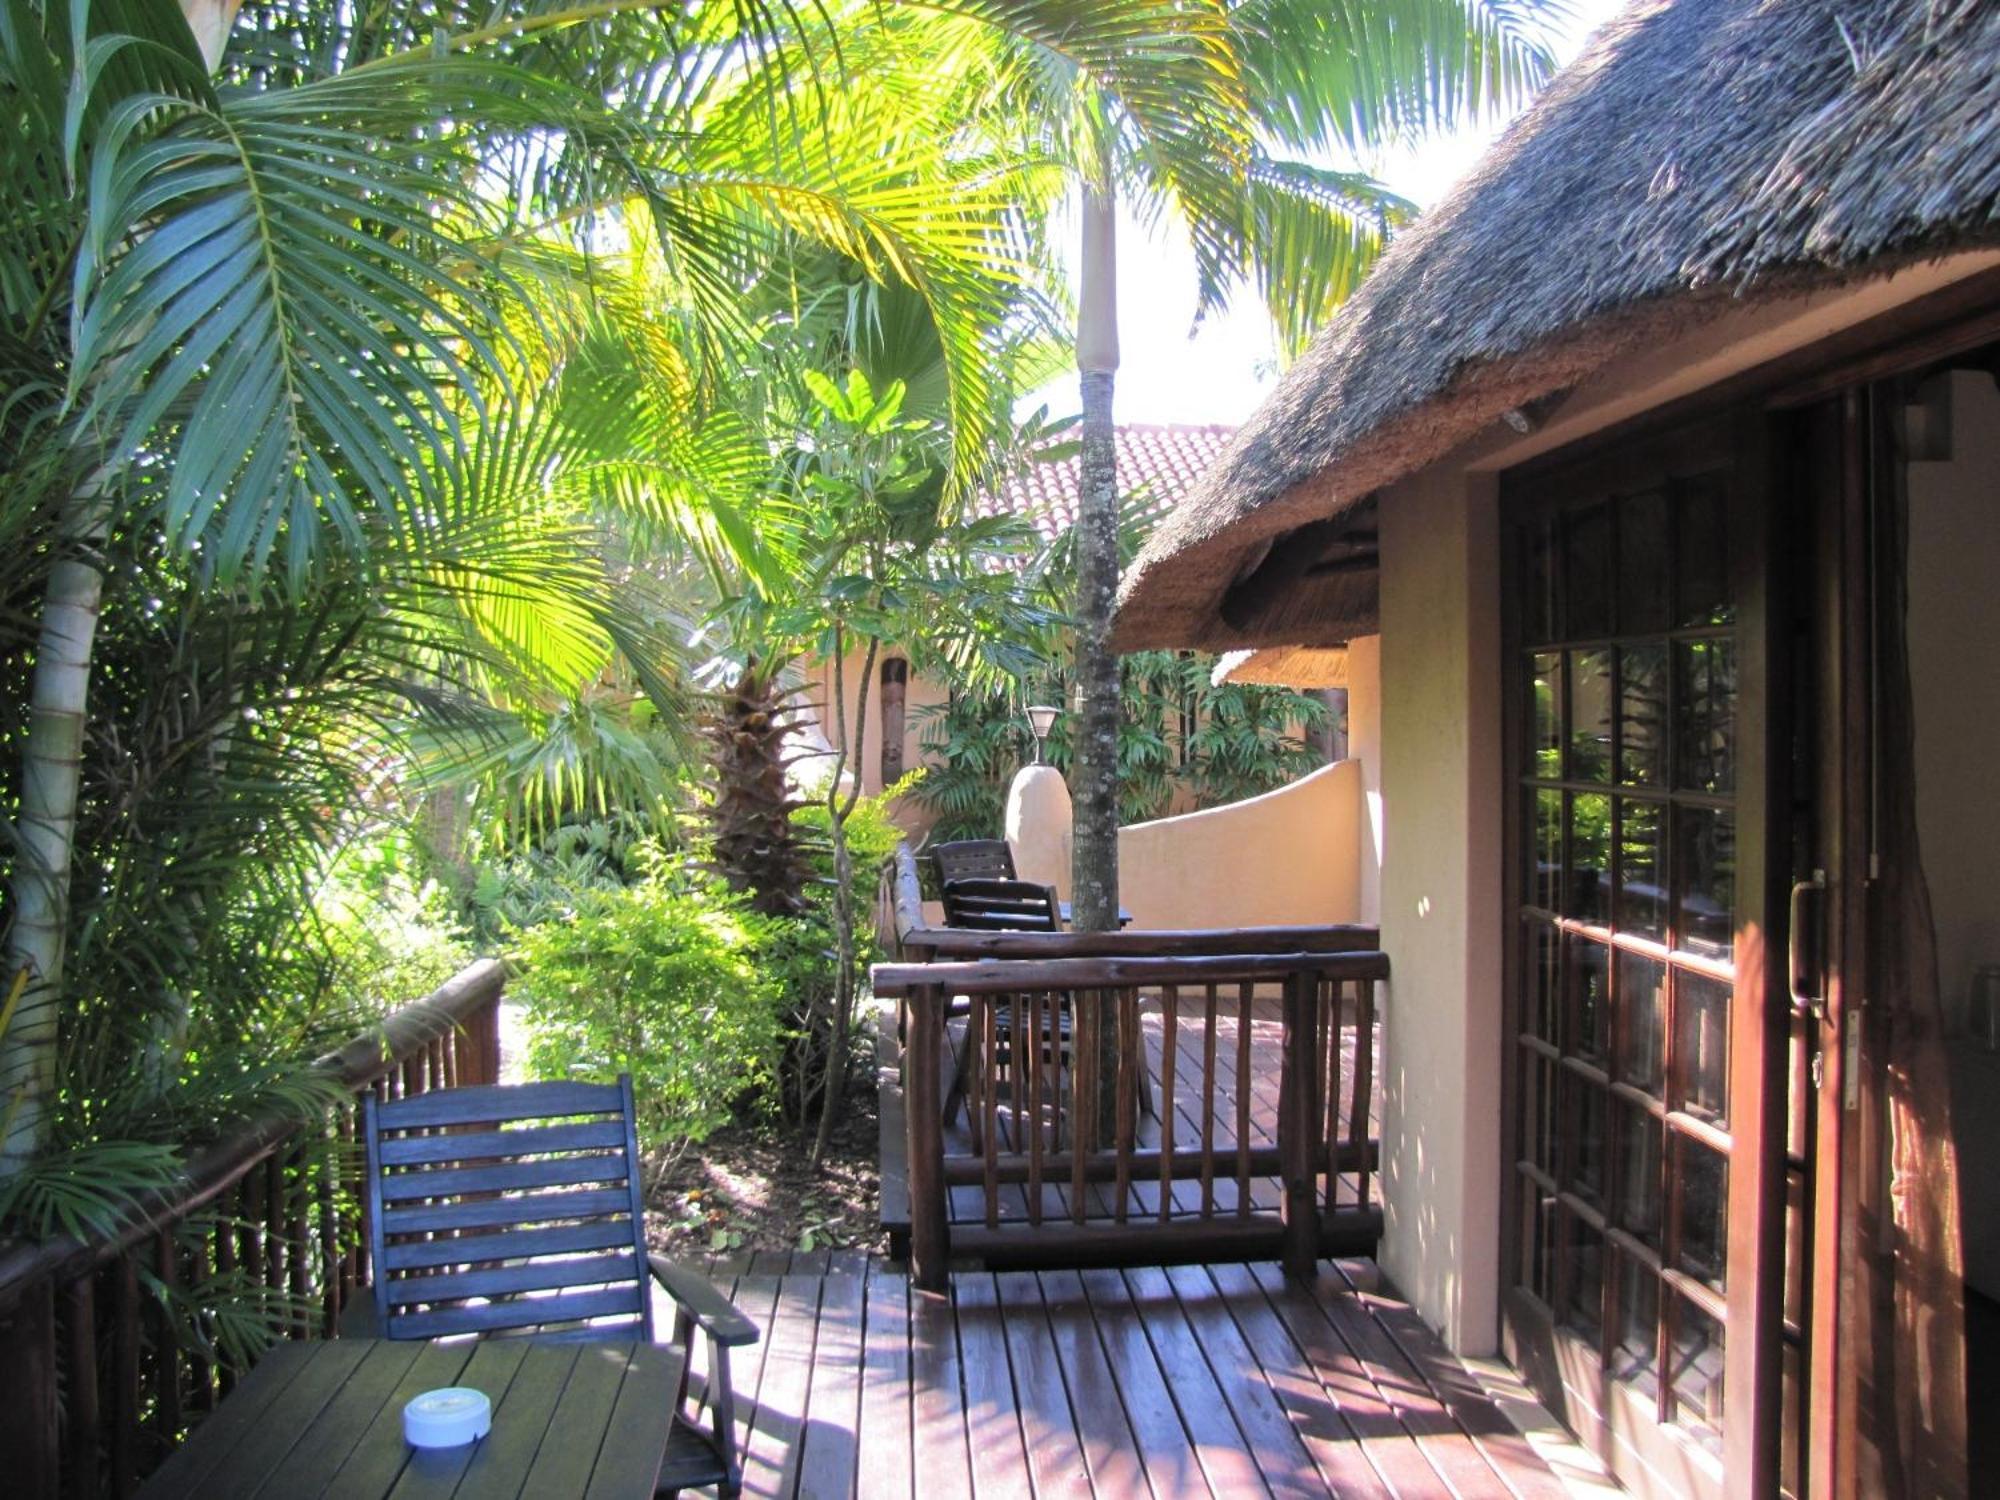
pixel 1803 947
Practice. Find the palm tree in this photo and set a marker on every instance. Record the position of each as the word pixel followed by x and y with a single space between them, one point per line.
pixel 1239 82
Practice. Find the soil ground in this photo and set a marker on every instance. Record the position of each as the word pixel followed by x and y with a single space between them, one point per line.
pixel 753 1187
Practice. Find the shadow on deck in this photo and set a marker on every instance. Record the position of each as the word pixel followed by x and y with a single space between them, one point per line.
pixel 1186 1381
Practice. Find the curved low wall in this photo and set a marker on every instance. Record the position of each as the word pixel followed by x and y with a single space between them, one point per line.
pixel 1292 856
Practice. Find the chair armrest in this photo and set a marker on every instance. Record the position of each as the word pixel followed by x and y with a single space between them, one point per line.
pixel 697 1296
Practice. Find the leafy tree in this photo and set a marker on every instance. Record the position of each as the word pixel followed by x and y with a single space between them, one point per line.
pixel 875 556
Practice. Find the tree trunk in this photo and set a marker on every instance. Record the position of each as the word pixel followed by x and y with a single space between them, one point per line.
pixel 51 767
pixel 1094 856
pixel 839 804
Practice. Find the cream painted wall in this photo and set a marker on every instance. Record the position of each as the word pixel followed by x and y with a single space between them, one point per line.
pixel 1441 901
pixel 1364 745
pixel 1289 856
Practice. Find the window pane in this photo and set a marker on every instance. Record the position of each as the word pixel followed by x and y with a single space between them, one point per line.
pixel 1705 679
pixel 1642 869
pixel 1585 1115
pixel 1545 850
pixel 1701 1048
pixel 1583 1308
pixel 1590 858
pixel 1637 1354
pixel 1704 1207
pixel 1702 553
pixel 1542 950
pixel 1697 1374
pixel 1706 864
pixel 1642 715
pixel 1589 1034
pixel 1587 572
pixel 1545 704
pixel 1538 601
pixel 1639 1187
pixel 1645 576
pixel 1590 715
pixel 1642 1016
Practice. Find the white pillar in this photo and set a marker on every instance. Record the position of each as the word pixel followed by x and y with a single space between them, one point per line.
pixel 1038 826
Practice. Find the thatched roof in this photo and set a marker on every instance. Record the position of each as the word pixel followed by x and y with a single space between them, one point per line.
pixel 1283 666
pixel 1700 153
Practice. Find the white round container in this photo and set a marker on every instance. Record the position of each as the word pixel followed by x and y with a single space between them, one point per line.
pixel 447 1418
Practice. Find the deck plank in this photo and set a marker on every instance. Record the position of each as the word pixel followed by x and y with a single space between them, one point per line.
pixel 778 1422
pixel 1110 1449
pixel 1165 1446
pixel 1447 1446
pixel 1505 1447
pixel 1220 1444
pixel 998 1452
pixel 940 1461
pixel 1048 1427
pixel 1370 1425
pixel 828 1462
pixel 1275 1411
pixel 885 1383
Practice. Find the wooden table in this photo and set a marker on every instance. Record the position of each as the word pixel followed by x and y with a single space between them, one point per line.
pixel 325 1417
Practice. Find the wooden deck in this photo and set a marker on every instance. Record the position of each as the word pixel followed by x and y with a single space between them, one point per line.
pixel 1186 1381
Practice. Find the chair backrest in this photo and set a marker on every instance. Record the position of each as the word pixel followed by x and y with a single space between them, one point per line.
pixel 973 859
pixel 507 1207
pixel 1001 906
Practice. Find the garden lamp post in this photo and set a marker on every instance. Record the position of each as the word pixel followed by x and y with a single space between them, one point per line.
pixel 1041 719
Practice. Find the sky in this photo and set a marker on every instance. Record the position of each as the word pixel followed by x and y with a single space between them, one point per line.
pixel 1223 371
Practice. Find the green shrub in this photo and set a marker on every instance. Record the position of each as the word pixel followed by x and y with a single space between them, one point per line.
pixel 661 981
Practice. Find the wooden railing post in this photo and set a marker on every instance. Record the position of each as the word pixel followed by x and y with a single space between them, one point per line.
pixel 1299 1152
pixel 28 1430
pixel 930 1233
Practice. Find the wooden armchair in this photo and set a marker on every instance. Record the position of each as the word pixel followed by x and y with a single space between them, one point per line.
pixel 487 1216
pixel 997 905
pixel 973 859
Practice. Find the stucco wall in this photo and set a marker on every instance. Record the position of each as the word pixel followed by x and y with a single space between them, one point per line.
pixel 1440 801
pixel 1287 856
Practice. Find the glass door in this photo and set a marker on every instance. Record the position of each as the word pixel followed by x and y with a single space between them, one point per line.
pixel 1639 785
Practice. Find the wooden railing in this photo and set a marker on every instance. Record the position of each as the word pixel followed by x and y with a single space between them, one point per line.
pixel 1058 1056
pixel 98 1374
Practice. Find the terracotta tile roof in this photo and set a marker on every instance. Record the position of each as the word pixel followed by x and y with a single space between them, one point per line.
pixel 1163 461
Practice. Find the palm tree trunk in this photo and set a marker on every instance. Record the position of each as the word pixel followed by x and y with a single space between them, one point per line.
pixel 51 766
pixel 1094 853
pixel 51 774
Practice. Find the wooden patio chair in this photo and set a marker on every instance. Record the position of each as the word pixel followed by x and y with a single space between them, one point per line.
pixel 512 1209
pixel 996 905
pixel 973 859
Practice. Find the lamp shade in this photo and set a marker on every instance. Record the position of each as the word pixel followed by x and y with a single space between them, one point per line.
pixel 1042 718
